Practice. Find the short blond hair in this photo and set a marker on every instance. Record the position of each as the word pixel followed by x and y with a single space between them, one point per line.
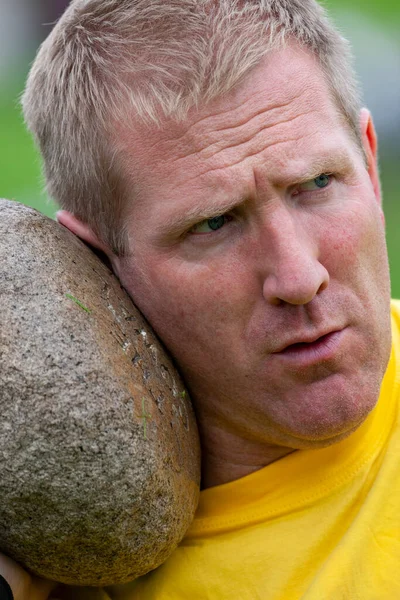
pixel 152 59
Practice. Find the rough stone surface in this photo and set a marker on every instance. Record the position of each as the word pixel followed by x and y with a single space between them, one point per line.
pixel 99 452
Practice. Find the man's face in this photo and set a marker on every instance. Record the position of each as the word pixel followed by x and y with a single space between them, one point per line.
pixel 258 255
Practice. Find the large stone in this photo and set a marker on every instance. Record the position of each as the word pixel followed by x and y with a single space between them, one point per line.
pixel 99 451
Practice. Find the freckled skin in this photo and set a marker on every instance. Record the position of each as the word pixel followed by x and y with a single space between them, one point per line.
pixel 287 263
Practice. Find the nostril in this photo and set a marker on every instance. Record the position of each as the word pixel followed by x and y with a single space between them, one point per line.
pixel 324 284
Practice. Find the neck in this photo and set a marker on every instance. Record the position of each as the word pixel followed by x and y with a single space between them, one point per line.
pixel 227 456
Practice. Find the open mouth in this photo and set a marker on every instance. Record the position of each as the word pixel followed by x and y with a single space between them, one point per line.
pixel 305 354
pixel 308 345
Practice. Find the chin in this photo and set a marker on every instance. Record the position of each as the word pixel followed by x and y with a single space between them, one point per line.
pixel 328 440
pixel 325 421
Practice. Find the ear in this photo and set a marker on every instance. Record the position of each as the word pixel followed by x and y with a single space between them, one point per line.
pixel 370 144
pixel 83 231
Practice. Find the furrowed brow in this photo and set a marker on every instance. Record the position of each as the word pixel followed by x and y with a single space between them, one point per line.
pixel 338 161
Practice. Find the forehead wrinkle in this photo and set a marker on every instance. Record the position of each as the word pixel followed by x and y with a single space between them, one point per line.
pixel 199 140
pixel 214 113
pixel 276 106
pixel 247 156
pixel 309 109
pixel 329 158
pixel 252 137
pixel 166 138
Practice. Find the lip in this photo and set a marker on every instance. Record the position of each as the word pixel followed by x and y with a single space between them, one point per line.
pixel 307 352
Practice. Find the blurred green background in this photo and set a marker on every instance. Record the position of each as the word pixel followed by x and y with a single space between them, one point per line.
pixel 372 27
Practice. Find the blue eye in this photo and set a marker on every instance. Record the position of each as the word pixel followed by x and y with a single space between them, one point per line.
pixel 322 181
pixel 210 224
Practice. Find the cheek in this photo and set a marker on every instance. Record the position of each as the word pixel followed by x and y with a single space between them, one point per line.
pixel 172 296
pixel 196 308
pixel 207 296
pixel 355 242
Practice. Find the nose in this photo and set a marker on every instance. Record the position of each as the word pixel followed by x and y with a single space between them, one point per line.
pixel 294 274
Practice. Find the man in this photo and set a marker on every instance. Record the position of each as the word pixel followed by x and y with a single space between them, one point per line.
pixel 217 153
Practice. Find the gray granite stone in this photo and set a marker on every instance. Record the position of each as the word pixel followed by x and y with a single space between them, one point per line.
pixel 99 451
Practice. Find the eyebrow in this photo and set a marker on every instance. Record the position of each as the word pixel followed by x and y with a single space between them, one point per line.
pixel 330 162
pixel 215 207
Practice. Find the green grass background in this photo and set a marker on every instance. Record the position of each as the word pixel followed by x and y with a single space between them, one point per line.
pixel 20 177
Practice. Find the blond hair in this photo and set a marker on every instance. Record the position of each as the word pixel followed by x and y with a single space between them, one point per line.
pixel 152 59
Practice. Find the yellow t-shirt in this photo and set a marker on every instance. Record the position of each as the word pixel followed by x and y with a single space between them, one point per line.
pixel 315 525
